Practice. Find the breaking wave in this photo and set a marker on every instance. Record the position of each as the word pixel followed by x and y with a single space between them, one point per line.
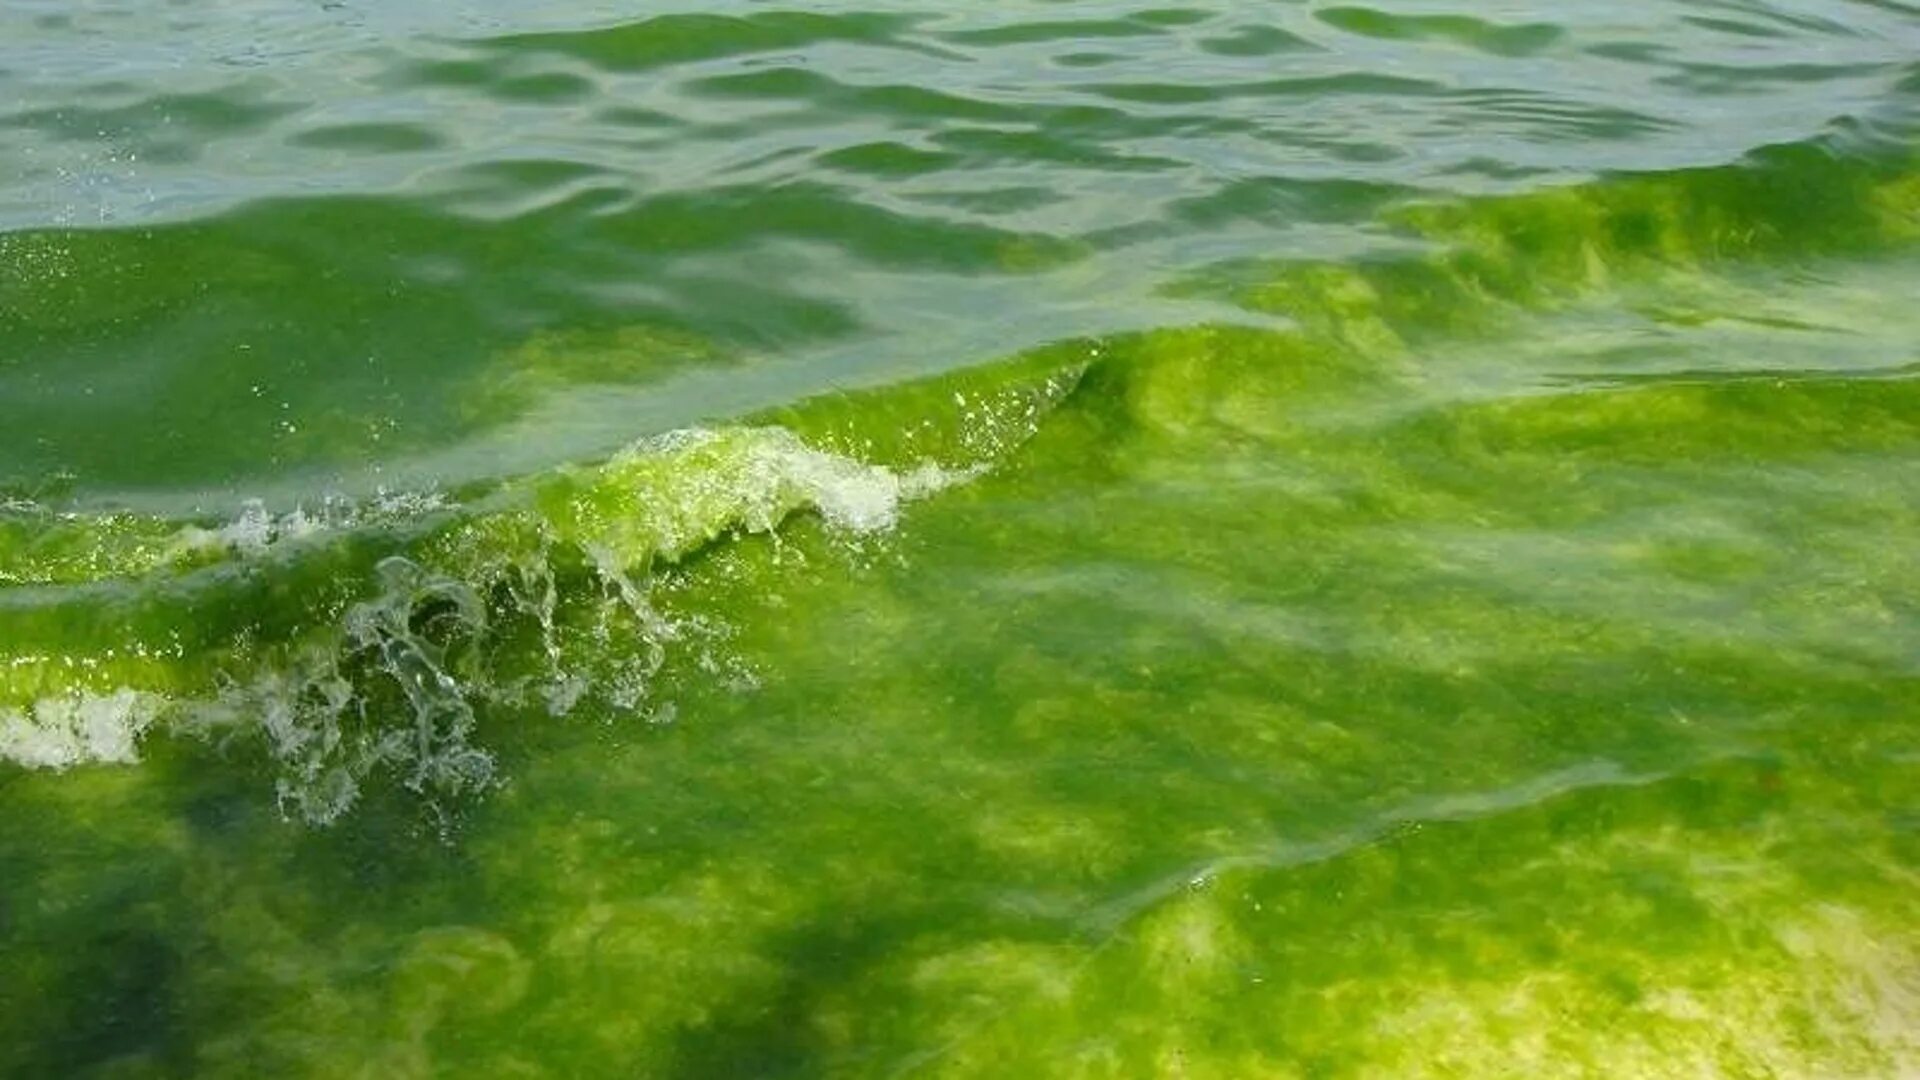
pixel 361 641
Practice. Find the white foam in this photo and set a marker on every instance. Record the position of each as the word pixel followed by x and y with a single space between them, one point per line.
pixel 778 472
pixel 256 529
pixel 59 733
pixel 850 494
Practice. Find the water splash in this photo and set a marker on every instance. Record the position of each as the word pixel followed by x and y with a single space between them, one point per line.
pixel 540 595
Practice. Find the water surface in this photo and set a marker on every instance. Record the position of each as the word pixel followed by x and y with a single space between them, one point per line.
pixel 1285 539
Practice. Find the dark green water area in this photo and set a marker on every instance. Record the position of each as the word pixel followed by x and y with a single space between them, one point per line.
pixel 1084 539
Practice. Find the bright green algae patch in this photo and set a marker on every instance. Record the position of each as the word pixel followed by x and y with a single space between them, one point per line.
pixel 1514 678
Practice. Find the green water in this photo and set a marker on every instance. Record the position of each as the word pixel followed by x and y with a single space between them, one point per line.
pixel 1240 540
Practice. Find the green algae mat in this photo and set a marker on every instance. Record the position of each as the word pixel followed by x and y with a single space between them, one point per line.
pixel 1248 540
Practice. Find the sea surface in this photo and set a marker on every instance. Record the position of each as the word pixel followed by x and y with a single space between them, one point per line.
pixel 1255 538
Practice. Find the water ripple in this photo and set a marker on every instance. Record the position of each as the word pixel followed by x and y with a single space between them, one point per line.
pixel 844 175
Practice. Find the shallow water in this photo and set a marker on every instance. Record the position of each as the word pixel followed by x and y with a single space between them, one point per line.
pixel 1089 540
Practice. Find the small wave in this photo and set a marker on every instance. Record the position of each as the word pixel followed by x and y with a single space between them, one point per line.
pixel 362 640
pixel 413 648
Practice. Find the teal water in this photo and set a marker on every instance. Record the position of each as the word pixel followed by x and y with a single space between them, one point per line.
pixel 1297 540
